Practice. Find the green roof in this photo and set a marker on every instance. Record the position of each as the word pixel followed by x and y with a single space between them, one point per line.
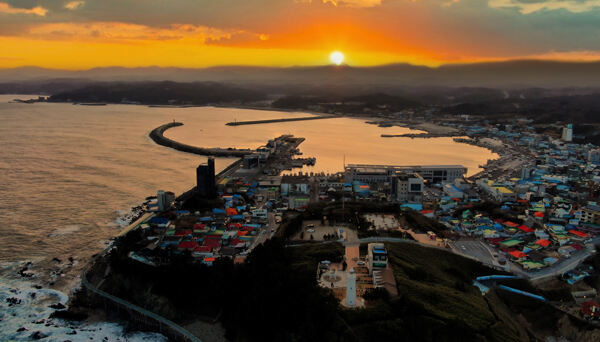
pixel 511 242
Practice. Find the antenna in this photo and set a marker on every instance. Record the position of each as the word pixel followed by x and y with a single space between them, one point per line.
pixel 343 194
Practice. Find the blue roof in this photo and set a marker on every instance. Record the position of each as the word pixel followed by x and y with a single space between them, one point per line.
pixel 413 206
pixel 205 219
pixel 218 211
pixel 159 220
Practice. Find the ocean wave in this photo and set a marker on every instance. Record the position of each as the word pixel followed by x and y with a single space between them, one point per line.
pixel 25 312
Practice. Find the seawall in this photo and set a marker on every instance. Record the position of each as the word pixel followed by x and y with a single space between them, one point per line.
pixel 157 135
pixel 257 122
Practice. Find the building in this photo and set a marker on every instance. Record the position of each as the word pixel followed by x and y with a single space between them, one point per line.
pixel 526 172
pixel 498 192
pixel 594 156
pixel 377 256
pixel 161 199
pixel 567 133
pixel 164 199
pixel 409 187
pixel 591 214
pixel 453 191
pixel 205 179
pixel 376 174
pixel 590 310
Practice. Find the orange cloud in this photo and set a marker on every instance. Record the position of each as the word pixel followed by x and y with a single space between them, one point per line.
pixel 348 3
pixel 7 8
pixel 73 5
pixel 115 32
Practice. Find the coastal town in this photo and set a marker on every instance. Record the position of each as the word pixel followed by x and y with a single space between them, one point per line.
pixel 531 213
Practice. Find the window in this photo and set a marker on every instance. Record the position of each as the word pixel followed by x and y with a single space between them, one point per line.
pixel 415 187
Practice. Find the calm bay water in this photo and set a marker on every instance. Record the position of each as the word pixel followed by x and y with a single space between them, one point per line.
pixel 68 173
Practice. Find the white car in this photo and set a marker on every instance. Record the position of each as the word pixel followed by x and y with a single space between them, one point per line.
pixel 311 230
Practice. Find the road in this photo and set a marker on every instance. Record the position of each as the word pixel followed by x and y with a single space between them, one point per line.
pixel 562 266
pixel 475 249
pixel 481 252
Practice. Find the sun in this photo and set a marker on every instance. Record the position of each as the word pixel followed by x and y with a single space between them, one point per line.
pixel 336 57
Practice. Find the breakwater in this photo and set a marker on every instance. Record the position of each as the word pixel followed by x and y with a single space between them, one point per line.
pixel 157 135
pixel 420 135
pixel 257 122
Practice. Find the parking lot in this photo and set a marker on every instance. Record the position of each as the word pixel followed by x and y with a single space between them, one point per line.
pixel 315 229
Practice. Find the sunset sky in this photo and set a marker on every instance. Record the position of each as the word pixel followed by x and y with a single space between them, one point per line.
pixel 199 33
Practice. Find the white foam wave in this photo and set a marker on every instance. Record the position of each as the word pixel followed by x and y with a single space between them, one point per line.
pixel 69 229
pixel 27 308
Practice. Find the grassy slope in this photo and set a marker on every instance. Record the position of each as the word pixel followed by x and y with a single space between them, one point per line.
pixel 436 302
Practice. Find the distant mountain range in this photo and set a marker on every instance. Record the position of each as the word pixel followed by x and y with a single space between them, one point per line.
pixel 510 74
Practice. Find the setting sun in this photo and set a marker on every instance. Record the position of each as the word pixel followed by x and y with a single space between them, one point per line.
pixel 336 58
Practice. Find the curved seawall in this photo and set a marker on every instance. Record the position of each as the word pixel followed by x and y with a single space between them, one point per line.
pixel 157 135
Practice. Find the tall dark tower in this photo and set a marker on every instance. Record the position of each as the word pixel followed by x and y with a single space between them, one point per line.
pixel 205 179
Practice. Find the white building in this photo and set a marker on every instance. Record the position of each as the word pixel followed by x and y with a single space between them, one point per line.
pixel 409 187
pixel 371 174
pixel 567 133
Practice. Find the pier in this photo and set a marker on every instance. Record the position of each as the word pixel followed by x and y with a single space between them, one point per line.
pixel 157 135
pixel 258 122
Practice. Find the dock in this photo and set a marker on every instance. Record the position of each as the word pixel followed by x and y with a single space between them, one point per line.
pixel 258 122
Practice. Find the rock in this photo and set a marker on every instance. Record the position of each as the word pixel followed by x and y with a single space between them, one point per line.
pixel 39 287
pixel 38 335
pixel 58 306
pixel 21 329
pixel 72 332
pixel 57 260
pixel 39 321
pixel 13 301
pixel 71 259
pixel 32 294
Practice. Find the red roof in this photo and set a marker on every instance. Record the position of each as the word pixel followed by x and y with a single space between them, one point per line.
pixel 495 241
pixel 538 214
pixel 511 224
pixel 211 243
pixel 231 211
pixel 542 242
pixel 578 233
pixel 183 232
pixel 187 245
pixel 199 226
pixel 517 254
pixel 499 220
pixel 590 308
pixel 236 241
pixel 426 212
pixel 526 229
pixel 521 201
pixel 202 249
pixel 577 246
